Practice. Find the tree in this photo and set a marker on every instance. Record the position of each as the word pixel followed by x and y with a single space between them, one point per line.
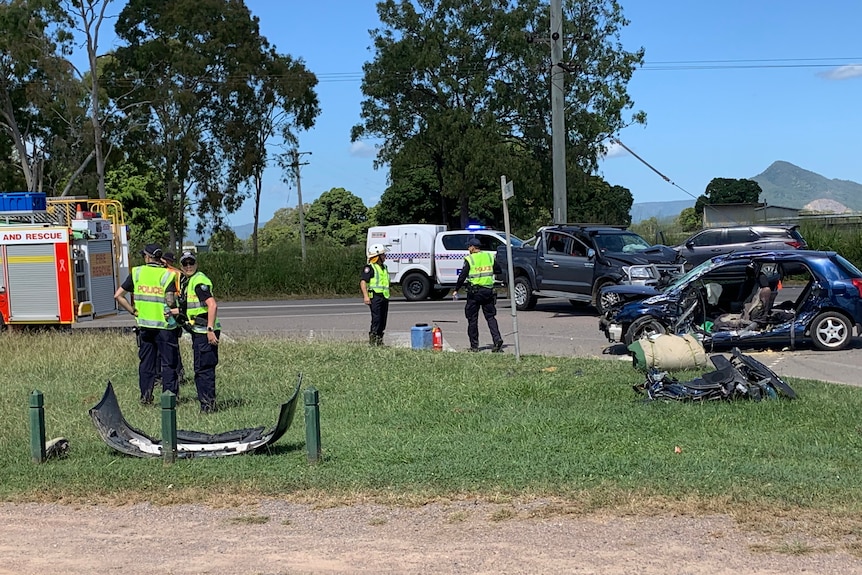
pixel 225 240
pixel 191 61
pixel 89 16
pixel 592 199
pixel 337 216
pixel 728 191
pixel 282 228
pixel 137 192
pixel 688 220
pixel 280 99
pixel 455 88
pixel 39 98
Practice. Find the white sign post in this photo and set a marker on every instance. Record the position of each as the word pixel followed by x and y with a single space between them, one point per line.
pixel 508 192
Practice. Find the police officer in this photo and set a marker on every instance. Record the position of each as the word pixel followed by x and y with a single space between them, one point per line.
pixel 169 259
pixel 154 290
pixel 478 273
pixel 374 284
pixel 202 310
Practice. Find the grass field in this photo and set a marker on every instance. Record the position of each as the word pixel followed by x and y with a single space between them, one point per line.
pixel 411 426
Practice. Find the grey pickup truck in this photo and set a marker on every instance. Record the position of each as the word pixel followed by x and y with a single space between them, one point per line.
pixel 575 261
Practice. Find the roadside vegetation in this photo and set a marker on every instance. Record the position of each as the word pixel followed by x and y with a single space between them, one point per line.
pixel 408 426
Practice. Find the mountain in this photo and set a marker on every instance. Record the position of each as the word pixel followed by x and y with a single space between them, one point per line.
pixel 784 184
pixel 244 231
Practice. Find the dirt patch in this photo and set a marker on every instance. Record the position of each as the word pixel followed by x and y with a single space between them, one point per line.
pixel 278 537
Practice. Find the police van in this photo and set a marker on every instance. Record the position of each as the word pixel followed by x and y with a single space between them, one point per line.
pixel 426 259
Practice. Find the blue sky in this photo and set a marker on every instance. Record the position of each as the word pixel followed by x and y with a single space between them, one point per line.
pixel 728 87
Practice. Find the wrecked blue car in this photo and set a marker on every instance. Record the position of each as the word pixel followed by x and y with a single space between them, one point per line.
pixel 747 299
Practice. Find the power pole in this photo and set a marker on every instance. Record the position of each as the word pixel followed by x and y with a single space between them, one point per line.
pixel 558 120
pixel 296 165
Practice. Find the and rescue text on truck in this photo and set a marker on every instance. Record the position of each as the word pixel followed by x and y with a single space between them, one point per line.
pixel 61 259
pixel 426 259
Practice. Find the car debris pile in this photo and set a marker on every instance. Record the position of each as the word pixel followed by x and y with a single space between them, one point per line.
pixel 740 377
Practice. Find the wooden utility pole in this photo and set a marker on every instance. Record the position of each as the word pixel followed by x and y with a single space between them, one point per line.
pixel 296 165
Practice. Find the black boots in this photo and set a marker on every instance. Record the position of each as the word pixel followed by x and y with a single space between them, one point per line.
pixel 374 339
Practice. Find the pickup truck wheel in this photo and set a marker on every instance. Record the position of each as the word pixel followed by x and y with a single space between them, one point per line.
pixel 438 294
pixel 605 301
pixel 416 287
pixel 644 327
pixel 524 298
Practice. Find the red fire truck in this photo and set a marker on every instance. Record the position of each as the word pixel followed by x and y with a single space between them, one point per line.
pixel 61 259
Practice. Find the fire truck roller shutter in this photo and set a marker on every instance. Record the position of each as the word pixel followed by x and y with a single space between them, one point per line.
pixel 32 290
pixel 102 282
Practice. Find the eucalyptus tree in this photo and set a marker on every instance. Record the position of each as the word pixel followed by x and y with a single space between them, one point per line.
pixel 462 87
pixel 278 101
pixel 87 16
pixel 190 61
pixel 39 98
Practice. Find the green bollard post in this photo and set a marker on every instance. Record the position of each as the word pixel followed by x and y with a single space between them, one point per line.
pixel 312 424
pixel 37 426
pixel 169 427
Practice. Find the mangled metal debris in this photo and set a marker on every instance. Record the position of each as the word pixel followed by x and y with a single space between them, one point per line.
pixel 740 377
pixel 118 434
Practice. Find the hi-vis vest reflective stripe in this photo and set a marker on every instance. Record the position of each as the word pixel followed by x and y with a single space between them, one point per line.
pixel 481 269
pixel 150 285
pixel 196 307
pixel 380 282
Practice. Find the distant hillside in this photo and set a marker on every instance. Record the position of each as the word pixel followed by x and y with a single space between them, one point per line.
pixel 659 210
pixel 784 184
pixel 244 231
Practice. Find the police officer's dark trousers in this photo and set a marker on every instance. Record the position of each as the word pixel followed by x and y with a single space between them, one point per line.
pixel 379 314
pixel 158 352
pixel 206 360
pixel 486 299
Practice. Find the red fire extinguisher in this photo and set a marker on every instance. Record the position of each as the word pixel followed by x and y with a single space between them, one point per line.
pixel 436 338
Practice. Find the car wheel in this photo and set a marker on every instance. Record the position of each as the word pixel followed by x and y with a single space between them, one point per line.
pixel 524 298
pixel 416 287
pixel 605 301
pixel 831 331
pixel 644 327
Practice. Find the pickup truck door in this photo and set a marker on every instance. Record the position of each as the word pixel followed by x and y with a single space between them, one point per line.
pixel 564 264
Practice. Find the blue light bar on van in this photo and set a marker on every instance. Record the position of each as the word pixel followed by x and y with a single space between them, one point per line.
pixel 472 227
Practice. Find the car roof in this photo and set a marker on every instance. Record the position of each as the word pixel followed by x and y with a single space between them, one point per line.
pixel 777 255
pixel 753 227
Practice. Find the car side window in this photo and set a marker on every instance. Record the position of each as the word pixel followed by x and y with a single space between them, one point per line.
pixel 740 236
pixel 707 238
pixel 456 242
pixel 578 248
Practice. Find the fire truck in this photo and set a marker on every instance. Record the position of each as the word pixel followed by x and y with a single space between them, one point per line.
pixel 61 259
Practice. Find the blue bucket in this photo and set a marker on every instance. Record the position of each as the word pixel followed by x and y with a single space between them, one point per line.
pixel 420 336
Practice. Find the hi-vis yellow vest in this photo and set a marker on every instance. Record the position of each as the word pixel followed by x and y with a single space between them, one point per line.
pixel 196 307
pixel 151 282
pixel 380 282
pixel 481 269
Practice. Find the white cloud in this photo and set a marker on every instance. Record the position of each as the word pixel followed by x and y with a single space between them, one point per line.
pixel 843 72
pixel 363 150
pixel 614 150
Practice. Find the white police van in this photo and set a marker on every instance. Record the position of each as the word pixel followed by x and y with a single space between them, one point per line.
pixel 426 259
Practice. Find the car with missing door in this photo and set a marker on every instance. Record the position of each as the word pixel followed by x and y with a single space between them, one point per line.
pixel 740 299
pixel 712 242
